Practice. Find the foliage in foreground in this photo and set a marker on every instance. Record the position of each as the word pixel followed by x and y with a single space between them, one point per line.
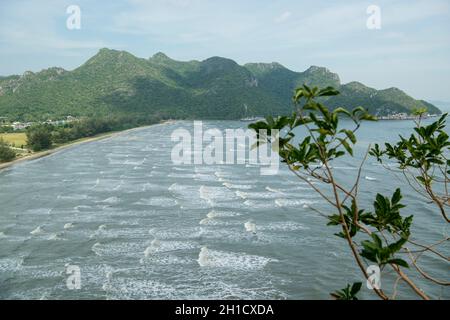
pixel 348 293
pixel 378 236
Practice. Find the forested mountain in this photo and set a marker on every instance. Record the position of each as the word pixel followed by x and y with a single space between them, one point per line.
pixel 117 83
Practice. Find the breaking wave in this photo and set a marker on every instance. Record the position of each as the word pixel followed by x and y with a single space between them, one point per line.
pixel 231 260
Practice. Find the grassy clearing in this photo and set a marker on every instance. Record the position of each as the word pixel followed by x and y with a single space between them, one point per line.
pixel 15 139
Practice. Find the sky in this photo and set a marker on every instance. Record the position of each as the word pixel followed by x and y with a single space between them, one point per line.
pixel 410 50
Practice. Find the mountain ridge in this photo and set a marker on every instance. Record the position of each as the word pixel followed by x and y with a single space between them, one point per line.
pixel 117 82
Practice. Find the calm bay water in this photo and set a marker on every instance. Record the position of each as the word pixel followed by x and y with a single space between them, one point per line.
pixel 135 224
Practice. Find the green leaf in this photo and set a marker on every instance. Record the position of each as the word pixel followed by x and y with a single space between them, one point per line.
pixel 342 110
pixel 328 91
pixel 348 293
pixel 346 146
pixel 350 135
pixel 356 287
pixel 399 262
pixel 397 196
pixel 377 240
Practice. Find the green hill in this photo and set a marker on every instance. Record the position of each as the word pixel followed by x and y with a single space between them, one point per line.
pixel 116 82
pixel 378 102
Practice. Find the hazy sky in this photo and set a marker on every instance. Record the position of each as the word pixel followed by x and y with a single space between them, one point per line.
pixel 410 51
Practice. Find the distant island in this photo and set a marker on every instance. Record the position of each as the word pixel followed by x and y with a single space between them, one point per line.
pixel 442 105
pixel 118 83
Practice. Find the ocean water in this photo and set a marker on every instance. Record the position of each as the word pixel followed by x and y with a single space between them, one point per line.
pixel 140 227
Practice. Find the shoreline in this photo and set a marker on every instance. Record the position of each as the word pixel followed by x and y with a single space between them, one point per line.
pixel 107 135
pixel 101 136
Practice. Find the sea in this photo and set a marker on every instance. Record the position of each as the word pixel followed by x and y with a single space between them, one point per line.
pixel 118 219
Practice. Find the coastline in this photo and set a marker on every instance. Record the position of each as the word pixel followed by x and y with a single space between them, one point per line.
pixel 102 136
pixel 41 154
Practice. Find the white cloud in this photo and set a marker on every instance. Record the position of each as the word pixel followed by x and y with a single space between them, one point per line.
pixel 328 33
pixel 402 13
pixel 283 17
pixel 40 27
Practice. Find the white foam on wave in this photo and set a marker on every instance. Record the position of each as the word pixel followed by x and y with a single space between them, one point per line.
pixel 208 169
pixel 119 249
pixel 283 226
pixel 294 202
pixel 85 208
pixel 204 177
pixel 217 195
pixel 205 221
pixel 56 236
pixel 118 186
pixel 39 211
pixel 250 226
pixel 69 225
pixel 96 248
pixel 231 260
pixel 344 168
pixel 155 243
pixel 173 187
pixel 73 197
pixel 203 257
pixel 255 204
pixel 109 276
pixel 153 248
pixel 214 222
pixel 294 192
pixel 150 186
pixel 182 169
pixel 114 161
pixel 211 214
pixel 37 231
pixel 241 194
pixel 122 233
pixel 110 200
pixel 221 214
pixel 96 184
pixel 157 247
pixel 184 193
pixel 205 195
pixel 209 220
pixel 135 163
pixel 149 251
pixel 273 190
pixel 10 264
pixel 237 186
pixel 259 195
pixel 219 174
pixel 232 176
